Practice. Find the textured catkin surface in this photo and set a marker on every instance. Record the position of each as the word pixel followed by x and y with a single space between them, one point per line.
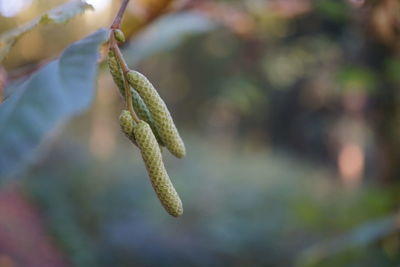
pixel 159 178
pixel 126 122
pixel 159 111
pixel 138 104
pixel 143 112
pixel 116 72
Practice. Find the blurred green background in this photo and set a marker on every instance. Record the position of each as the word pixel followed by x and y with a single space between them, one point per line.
pixel 290 113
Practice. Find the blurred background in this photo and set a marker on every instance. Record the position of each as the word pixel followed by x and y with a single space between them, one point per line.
pixel 290 111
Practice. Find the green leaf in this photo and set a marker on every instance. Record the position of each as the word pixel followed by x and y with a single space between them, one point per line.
pixel 52 95
pixel 59 14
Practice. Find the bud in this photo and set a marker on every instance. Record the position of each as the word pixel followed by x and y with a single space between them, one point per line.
pixel 119 35
pixel 159 178
pixel 162 118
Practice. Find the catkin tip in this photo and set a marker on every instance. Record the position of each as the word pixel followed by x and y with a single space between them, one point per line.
pixel 177 213
pixel 179 151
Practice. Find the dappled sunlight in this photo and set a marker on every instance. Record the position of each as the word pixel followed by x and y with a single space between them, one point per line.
pixel 102 13
pixel 99 5
pixel 351 164
pixel 10 8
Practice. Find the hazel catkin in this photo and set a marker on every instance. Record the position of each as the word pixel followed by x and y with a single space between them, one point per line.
pixel 126 123
pixel 162 118
pixel 143 112
pixel 159 178
pixel 116 72
pixel 138 105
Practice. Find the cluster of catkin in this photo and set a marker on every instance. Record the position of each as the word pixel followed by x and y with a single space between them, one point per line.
pixel 153 129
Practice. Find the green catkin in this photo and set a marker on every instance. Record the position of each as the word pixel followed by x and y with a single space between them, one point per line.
pixel 138 105
pixel 119 35
pixel 142 111
pixel 159 178
pixel 126 122
pixel 162 118
pixel 116 72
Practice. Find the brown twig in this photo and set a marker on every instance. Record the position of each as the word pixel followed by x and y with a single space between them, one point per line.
pixel 114 47
pixel 128 95
pixel 117 21
pixel 153 13
pixel 156 12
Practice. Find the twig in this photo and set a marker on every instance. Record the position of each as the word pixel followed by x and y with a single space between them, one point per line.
pixel 117 21
pixel 114 47
pixel 153 13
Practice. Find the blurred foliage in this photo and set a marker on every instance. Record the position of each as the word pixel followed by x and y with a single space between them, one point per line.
pixel 58 91
pixel 58 15
pixel 337 11
pixel 357 78
pixel 240 208
pixel 166 34
pixel 290 112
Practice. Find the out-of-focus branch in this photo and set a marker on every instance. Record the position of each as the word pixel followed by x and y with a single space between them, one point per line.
pixel 156 10
pixel 3 78
pixel 153 12
pixel 113 46
pixel 117 21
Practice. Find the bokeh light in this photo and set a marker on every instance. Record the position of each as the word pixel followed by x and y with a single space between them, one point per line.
pixel 12 8
pixel 99 5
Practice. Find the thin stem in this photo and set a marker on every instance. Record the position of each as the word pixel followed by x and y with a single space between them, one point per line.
pixel 117 52
pixel 117 21
pixel 129 104
pixel 120 59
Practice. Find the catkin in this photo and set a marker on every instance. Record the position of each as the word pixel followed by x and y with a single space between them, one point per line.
pixel 159 178
pixel 159 111
pixel 116 72
pixel 138 105
pixel 143 112
pixel 126 122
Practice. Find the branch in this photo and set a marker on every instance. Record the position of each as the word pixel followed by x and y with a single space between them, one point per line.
pixel 117 21
pixel 120 59
pixel 154 13
pixel 113 45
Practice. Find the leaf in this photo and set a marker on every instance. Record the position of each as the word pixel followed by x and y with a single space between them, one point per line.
pixel 59 14
pixel 38 105
pixel 166 34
